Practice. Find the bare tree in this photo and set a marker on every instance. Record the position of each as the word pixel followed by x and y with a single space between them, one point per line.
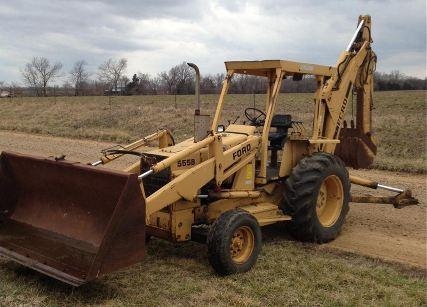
pixel 112 71
pixel 79 76
pixel 147 85
pixel 124 80
pixel 154 85
pixel 39 72
pixel 178 80
pixel 219 80
pixel 207 85
pixel 31 78
pixel 68 89
pixel 169 79
pixel 185 78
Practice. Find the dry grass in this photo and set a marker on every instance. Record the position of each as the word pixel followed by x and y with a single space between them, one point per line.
pixel 287 273
pixel 399 119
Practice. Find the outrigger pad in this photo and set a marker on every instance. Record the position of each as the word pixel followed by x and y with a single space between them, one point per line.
pixel 68 220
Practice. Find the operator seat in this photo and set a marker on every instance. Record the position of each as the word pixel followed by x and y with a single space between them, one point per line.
pixel 282 122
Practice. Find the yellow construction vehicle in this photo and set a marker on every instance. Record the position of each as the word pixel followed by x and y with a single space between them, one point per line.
pixel 76 222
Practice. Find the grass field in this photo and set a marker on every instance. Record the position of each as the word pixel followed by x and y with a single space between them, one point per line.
pixel 287 274
pixel 399 119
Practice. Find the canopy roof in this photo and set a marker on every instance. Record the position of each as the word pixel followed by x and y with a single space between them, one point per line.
pixel 266 67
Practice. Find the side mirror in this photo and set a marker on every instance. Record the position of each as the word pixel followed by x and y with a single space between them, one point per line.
pixel 220 128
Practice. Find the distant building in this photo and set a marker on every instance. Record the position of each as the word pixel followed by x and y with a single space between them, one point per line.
pixel 120 91
pixel 4 94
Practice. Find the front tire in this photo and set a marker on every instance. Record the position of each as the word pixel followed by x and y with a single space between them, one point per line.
pixel 316 196
pixel 234 242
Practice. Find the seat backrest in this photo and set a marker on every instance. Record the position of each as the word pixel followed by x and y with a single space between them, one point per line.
pixel 281 121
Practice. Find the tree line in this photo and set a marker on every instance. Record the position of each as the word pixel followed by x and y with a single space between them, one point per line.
pixel 40 74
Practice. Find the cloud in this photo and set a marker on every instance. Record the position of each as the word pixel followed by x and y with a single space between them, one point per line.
pixel 154 35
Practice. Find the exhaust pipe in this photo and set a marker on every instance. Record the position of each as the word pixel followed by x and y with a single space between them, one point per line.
pixel 202 123
pixel 196 69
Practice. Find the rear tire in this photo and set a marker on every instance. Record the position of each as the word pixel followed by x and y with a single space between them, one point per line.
pixel 234 242
pixel 316 196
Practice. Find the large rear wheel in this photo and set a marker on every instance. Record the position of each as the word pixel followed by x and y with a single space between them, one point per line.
pixel 316 196
pixel 234 242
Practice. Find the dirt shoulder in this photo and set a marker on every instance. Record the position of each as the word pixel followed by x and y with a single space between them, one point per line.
pixel 383 231
pixel 374 230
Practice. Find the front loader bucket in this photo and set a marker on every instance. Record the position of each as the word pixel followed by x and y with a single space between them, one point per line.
pixel 356 148
pixel 71 221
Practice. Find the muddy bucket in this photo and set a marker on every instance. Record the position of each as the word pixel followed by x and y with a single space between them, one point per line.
pixel 356 148
pixel 71 221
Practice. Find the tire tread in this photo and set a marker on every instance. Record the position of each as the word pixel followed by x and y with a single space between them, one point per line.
pixel 300 196
pixel 218 244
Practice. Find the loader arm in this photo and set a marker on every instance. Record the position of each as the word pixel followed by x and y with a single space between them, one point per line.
pixel 220 166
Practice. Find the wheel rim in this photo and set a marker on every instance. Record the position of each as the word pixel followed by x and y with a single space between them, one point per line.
pixel 242 244
pixel 329 200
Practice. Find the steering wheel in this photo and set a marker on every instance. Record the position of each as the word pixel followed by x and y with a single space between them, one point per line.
pixel 257 118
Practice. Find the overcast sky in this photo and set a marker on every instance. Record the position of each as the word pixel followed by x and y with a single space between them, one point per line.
pixel 156 35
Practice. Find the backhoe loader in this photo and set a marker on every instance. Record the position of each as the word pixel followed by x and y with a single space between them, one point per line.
pixel 77 222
